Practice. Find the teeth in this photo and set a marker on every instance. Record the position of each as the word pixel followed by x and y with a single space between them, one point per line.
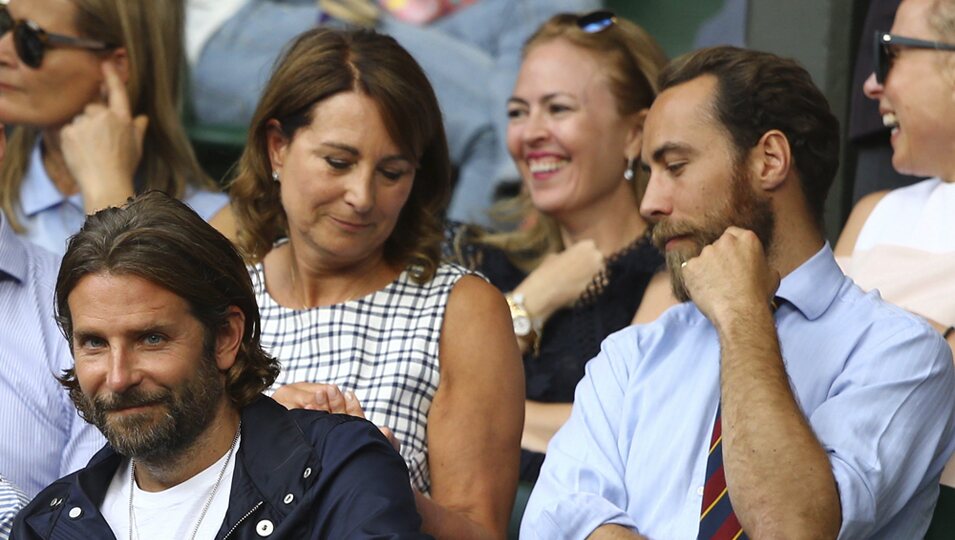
pixel 889 120
pixel 546 165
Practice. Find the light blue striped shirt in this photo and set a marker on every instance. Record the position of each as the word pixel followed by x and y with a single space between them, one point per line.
pixel 12 500
pixel 50 217
pixel 41 436
pixel 875 382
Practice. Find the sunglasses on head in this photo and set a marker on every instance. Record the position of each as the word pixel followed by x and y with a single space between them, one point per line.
pixel 30 41
pixel 886 46
pixel 596 21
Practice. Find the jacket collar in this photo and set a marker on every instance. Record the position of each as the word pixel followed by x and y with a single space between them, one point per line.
pixel 275 464
pixel 274 460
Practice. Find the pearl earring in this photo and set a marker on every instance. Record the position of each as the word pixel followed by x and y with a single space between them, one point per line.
pixel 275 176
pixel 628 174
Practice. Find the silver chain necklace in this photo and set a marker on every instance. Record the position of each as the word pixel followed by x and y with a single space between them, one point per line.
pixel 205 507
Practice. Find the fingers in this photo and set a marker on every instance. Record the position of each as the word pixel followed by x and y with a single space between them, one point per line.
pixel 319 397
pixel 352 406
pixel 332 397
pixel 292 396
pixel 116 97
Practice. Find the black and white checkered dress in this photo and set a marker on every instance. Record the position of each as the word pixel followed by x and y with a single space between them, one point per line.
pixel 383 346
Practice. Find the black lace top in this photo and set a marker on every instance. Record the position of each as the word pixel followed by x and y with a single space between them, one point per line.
pixel 572 335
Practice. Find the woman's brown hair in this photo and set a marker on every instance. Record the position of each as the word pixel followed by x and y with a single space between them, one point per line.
pixel 321 63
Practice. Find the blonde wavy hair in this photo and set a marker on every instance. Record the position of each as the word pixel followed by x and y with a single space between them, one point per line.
pixel 632 60
pixel 151 31
pixel 321 63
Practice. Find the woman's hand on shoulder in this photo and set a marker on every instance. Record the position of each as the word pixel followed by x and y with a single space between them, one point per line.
pixel 328 398
pixel 318 397
pixel 561 278
pixel 102 146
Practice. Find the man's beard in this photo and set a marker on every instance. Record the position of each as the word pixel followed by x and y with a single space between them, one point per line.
pixel 745 209
pixel 187 411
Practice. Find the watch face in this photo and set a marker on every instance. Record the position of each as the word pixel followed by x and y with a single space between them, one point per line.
pixel 522 326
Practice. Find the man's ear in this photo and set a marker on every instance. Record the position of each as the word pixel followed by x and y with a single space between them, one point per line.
pixel 635 134
pixel 771 160
pixel 277 144
pixel 229 338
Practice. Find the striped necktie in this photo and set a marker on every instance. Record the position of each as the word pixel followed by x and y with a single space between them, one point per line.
pixel 717 519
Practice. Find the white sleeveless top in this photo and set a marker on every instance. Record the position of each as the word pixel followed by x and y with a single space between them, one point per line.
pixel 384 347
pixel 906 250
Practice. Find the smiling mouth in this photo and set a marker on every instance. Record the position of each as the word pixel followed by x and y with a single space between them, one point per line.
pixel 889 120
pixel 547 165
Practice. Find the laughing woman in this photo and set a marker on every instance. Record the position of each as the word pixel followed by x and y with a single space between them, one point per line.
pixel 580 265
pixel 339 196
pixel 901 242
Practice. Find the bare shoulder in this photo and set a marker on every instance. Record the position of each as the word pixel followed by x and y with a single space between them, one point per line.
pixel 860 213
pixel 471 288
pixel 477 322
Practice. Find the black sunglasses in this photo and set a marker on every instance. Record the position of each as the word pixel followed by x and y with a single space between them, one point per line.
pixel 30 41
pixel 596 21
pixel 885 50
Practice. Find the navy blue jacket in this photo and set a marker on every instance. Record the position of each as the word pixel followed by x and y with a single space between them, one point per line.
pixel 298 474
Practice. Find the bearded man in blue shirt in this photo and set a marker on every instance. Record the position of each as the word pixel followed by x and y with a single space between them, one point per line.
pixel 779 400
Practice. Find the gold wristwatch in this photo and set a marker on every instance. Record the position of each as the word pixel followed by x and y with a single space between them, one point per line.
pixel 525 326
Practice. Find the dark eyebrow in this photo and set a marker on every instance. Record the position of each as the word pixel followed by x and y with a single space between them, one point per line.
pixel 661 151
pixel 82 335
pixel 666 148
pixel 354 151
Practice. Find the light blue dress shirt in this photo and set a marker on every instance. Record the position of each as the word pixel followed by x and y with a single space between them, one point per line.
pixel 50 217
pixel 876 383
pixel 42 438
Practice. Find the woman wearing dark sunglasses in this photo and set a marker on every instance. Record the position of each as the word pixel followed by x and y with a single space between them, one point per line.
pixel 902 242
pixel 579 265
pixel 91 91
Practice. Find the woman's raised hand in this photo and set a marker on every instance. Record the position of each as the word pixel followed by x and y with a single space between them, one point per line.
pixel 102 146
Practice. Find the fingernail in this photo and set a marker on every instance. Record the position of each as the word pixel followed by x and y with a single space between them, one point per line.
pixel 350 396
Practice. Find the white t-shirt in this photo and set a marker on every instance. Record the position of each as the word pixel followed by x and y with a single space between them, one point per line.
pixel 203 18
pixel 171 513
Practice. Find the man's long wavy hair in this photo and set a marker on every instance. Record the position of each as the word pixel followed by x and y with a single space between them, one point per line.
pixel 322 63
pixel 160 239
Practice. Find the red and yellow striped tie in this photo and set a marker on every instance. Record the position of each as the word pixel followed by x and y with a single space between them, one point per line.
pixel 717 519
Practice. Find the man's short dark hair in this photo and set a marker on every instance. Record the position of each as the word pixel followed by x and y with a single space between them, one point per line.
pixel 758 92
pixel 160 239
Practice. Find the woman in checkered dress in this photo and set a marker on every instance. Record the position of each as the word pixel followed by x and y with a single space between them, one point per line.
pixel 340 195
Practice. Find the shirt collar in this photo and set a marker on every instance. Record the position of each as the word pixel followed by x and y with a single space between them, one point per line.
pixel 13 254
pixel 812 286
pixel 38 192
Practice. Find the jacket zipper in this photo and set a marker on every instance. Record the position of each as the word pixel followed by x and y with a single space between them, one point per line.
pixel 243 518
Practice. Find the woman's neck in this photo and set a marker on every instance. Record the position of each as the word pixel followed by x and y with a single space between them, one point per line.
pixel 612 223
pixel 301 282
pixel 55 165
